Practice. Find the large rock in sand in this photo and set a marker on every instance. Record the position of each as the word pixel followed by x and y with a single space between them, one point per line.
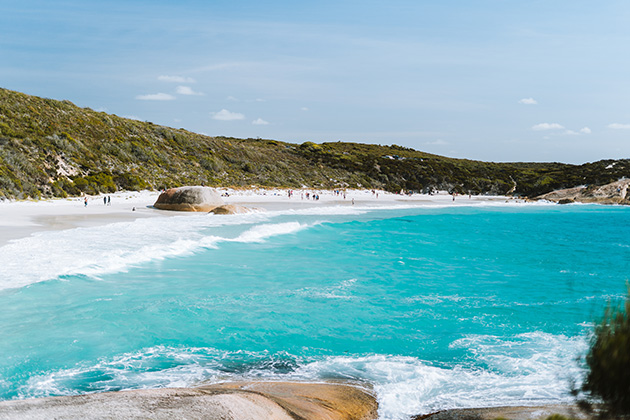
pixel 189 199
pixel 230 401
pixel 231 209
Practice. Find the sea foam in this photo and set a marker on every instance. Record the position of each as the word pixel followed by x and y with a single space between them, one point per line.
pixel 94 251
pixel 528 369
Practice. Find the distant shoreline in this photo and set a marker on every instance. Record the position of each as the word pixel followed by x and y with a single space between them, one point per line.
pixel 20 219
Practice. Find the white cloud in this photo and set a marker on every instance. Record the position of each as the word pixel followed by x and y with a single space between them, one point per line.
pixel 176 79
pixel 260 121
pixel 438 142
pixel 225 115
pixel 547 126
pixel 186 90
pixel 528 101
pixel 156 97
pixel 304 108
pixel 232 98
pixel 617 126
pixel 132 117
pixel 584 130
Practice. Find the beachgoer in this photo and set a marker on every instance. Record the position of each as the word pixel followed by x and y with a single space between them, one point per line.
pixel 109 200
pixel 85 201
pixel 353 201
pixel 104 200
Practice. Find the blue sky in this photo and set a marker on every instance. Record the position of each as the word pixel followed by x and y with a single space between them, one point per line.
pixel 494 80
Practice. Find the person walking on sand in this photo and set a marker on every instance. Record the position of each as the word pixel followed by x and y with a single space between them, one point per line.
pixel 85 201
pixel 109 200
pixel 104 200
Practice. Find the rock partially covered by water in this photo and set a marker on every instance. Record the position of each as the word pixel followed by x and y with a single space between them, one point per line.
pixel 189 199
pixel 230 401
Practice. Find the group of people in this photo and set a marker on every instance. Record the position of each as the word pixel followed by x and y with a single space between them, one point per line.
pixel 107 201
pixel 314 196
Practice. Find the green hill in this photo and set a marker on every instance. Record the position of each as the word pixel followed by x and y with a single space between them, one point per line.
pixel 54 148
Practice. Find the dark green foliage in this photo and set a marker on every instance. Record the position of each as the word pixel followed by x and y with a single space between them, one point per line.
pixel 54 148
pixel 608 361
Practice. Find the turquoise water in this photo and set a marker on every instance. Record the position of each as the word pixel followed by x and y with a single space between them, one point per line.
pixel 434 307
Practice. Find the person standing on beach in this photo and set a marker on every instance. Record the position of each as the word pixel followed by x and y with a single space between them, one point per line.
pixel 109 200
pixel 85 201
pixel 104 200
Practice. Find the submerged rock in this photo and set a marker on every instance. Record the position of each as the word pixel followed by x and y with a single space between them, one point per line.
pixel 189 199
pixel 229 401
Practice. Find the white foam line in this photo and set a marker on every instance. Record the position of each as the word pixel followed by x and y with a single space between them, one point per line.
pixel 113 248
pixel 526 369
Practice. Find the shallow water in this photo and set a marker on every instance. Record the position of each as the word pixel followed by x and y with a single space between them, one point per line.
pixel 435 307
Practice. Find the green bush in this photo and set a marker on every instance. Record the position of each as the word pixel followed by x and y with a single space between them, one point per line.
pixel 608 361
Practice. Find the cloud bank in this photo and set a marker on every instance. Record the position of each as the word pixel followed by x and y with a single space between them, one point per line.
pixel 225 115
pixel 617 126
pixel 528 101
pixel 156 97
pixel 186 90
pixel 176 79
pixel 547 126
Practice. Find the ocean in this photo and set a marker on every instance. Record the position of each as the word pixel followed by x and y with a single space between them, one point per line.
pixel 432 307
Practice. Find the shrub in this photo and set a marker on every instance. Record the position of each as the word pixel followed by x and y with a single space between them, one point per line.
pixel 608 361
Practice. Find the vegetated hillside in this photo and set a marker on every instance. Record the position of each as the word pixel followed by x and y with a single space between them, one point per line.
pixel 54 148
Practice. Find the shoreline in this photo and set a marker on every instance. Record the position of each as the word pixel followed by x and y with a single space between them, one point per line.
pixel 19 219
pixel 248 400
pixel 24 218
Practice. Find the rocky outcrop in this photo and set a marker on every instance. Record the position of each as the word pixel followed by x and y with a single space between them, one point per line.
pixel 231 209
pixel 229 401
pixel 507 413
pixel 189 199
pixel 613 193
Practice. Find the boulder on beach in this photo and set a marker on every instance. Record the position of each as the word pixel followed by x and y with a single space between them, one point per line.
pixel 230 209
pixel 229 401
pixel 189 199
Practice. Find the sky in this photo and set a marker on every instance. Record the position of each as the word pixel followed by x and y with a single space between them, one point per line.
pixel 492 80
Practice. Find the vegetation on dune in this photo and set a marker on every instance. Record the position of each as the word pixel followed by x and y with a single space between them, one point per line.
pixel 54 148
pixel 608 363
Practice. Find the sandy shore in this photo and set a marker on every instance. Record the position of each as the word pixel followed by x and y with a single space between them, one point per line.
pixel 23 218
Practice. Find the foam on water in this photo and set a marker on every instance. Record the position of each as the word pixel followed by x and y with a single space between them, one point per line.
pixel 95 251
pixel 434 308
pixel 528 369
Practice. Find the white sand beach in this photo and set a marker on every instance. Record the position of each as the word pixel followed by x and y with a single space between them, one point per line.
pixel 23 218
